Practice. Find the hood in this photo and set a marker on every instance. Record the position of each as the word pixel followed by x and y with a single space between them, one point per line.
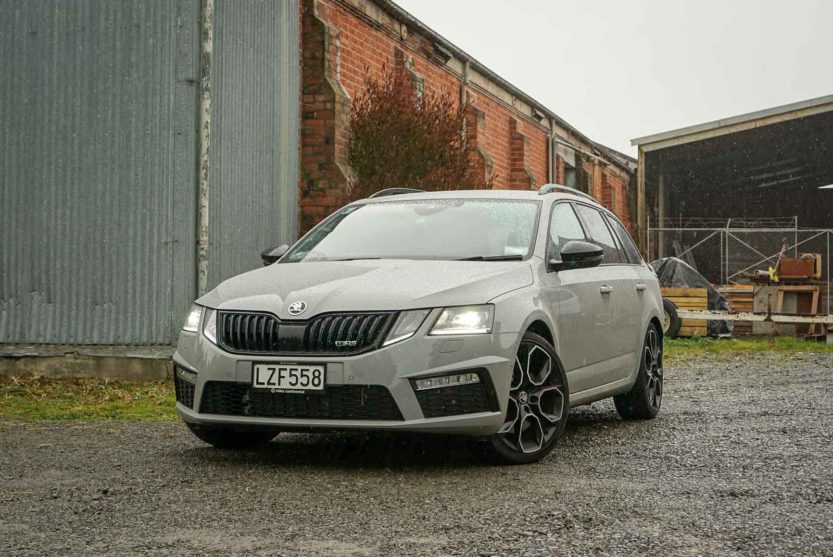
pixel 369 285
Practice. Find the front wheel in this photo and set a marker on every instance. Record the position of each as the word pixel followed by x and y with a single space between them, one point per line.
pixel 642 402
pixel 538 404
pixel 232 437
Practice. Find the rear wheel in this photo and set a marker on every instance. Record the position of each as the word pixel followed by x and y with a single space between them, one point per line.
pixel 232 437
pixel 538 404
pixel 671 323
pixel 642 402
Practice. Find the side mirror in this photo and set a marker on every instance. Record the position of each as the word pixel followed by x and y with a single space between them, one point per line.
pixel 273 254
pixel 577 255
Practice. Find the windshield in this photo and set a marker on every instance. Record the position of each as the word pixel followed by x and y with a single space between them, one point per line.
pixel 426 229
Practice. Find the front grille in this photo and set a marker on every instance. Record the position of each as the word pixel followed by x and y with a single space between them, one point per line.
pixel 334 333
pixel 184 391
pixel 338 402
pixel 462 399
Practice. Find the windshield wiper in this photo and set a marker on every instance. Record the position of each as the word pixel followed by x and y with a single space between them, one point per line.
pixel 492 258
pixel 353 259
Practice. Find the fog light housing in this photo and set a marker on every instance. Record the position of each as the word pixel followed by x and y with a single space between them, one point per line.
pixel 185 374
pixel 441 381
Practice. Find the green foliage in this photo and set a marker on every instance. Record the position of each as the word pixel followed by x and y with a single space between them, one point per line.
pixel 399 138
pixel 37 398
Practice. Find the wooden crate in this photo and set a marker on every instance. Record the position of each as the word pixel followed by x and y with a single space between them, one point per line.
pixel 798 299
pixel 741 298
pixel 689 298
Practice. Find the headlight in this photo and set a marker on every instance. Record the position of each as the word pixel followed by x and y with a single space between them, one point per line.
pixel 209 327
pixel 466 320
pixel 192 322
pixel 406 325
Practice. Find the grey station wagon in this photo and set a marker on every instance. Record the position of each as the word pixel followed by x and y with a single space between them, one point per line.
pixel 483 313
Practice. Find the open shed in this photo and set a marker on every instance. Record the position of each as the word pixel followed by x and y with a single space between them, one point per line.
pixel 764 167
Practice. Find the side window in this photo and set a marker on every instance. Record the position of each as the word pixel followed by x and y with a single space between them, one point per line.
pixel 625 240
pixel 599 233
pixel 564 226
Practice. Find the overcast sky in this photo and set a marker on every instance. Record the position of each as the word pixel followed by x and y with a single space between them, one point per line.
pixel 617 70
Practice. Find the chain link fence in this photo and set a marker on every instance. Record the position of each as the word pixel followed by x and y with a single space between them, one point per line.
pixel 734 252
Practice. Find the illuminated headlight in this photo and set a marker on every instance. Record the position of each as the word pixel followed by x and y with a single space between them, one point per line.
pixel 465 320
pixel 192 321
pixel 406 325
pixel 446 381
pixel 209 327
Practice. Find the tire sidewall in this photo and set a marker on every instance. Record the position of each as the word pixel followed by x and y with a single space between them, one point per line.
pixel 670 308
pixel 507 455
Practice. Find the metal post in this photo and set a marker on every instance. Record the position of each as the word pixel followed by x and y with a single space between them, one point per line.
pixel 641 209
pixel 726 239
pixel 661 212
pixel 795 221
pixel 206 48
pixel 828 273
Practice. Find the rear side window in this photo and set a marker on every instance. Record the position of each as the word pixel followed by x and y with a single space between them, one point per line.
pixel 564 227
pixel 625 240
pixel 599 233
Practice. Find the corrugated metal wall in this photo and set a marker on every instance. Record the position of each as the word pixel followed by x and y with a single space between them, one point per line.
pixel 98 158
pixel 254 127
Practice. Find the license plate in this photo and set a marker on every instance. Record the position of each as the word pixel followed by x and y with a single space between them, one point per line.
pixel 289 378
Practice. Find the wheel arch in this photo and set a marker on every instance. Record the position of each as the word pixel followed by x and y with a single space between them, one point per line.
pixel 540 328
pixel 658 324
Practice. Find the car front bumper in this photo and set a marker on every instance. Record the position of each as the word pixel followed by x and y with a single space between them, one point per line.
pixel 392 367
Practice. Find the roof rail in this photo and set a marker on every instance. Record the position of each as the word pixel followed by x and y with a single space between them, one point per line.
pixel 394 191
pixel 549 188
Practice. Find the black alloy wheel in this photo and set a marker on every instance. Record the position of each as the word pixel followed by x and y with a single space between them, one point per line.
pixel 538 404
pixel 643 401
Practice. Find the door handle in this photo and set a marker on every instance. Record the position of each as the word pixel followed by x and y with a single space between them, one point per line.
pixel 606 289
pixel 640 286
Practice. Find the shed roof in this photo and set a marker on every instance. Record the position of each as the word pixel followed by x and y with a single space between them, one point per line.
pixel 734 124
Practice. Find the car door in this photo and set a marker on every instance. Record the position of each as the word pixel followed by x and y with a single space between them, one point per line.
pixel 582 313
pixel 613 279
pixel 635 306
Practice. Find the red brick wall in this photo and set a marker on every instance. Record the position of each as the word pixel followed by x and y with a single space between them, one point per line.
pixel 341 46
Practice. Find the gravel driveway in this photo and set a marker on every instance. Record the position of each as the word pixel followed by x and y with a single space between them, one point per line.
pixel 740 461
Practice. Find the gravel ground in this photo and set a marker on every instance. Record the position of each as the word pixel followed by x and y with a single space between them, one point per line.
pixel 740 461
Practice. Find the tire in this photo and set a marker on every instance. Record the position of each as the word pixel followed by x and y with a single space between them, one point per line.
pixel 538 406
pixel 232 437
pixel 670 322
pixel 644 399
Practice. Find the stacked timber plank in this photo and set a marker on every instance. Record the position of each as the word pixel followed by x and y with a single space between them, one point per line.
pixel 689 298
pixel 741 298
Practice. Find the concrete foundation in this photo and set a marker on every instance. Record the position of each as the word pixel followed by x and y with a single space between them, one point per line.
pixel 130 363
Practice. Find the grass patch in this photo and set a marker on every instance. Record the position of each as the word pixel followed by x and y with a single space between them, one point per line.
pixel 38 398
pixel 692 347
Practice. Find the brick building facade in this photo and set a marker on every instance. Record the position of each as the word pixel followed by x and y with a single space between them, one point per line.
pixel 519 144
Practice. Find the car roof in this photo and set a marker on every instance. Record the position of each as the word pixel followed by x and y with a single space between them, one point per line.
pixel 527 195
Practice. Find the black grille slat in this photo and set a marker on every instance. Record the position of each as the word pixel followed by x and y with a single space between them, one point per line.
pixel 273 335
pixel 338 402
pixel 263 333
pixel 329 342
